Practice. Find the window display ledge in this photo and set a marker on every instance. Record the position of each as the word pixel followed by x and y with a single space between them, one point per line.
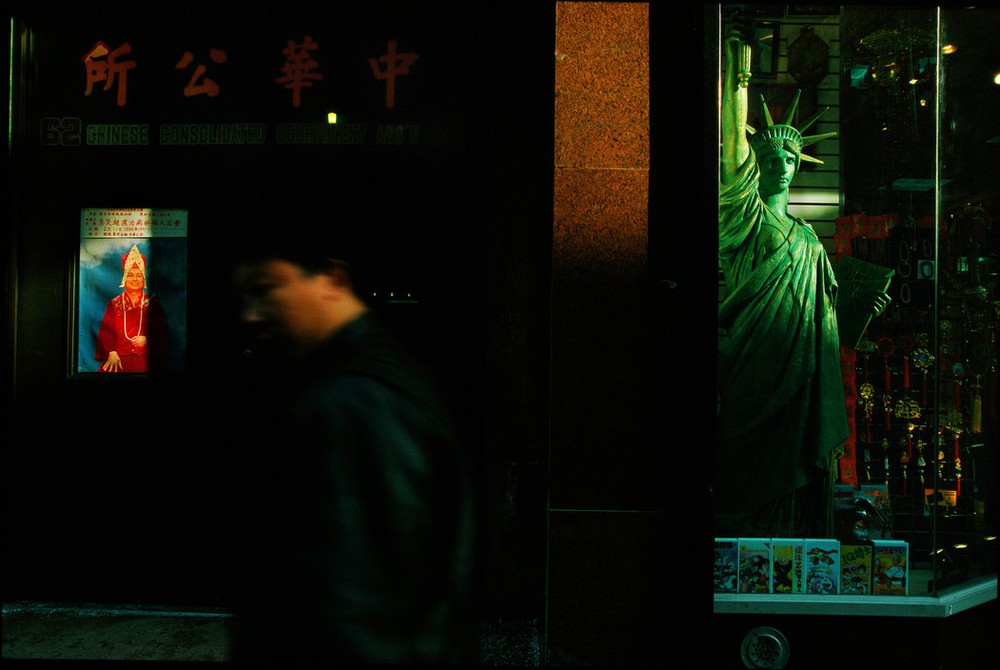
pixel 949 601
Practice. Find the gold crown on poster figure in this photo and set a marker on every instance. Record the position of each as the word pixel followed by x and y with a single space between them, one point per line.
pixel 785 132
pixel 133 259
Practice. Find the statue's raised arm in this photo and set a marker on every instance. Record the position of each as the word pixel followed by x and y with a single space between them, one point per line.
pixel 736 52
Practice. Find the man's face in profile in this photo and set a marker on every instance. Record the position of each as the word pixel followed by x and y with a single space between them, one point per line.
pixel 283 306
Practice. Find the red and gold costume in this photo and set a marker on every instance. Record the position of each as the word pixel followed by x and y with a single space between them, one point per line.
pixel 122 322
pixel 126 318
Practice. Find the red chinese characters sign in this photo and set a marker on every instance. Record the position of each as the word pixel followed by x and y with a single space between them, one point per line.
pixel 103 64
pixel 380 76
pixel 106 70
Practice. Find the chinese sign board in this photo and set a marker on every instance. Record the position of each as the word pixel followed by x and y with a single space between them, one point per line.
pixel 369 79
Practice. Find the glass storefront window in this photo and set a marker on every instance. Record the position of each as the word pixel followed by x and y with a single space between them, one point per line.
pixel 892 113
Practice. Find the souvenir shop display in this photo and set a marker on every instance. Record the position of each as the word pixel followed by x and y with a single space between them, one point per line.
pixel 924 372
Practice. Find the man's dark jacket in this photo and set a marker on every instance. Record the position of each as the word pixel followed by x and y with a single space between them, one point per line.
pixel 360 541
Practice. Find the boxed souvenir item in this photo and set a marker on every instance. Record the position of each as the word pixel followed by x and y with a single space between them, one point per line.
pixel 725 571
pixel 755 565
pixel 856 569
pixel 787 562
pixel 822 566
pixel 890 572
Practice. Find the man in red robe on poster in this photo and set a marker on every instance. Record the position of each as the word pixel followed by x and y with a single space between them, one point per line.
pixel 133 336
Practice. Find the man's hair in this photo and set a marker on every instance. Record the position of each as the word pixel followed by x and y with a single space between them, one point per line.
pixel 300 236
pixel 312 254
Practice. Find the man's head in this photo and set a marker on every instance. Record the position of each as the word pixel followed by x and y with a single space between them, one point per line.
pixel 293 307
pixel 300 271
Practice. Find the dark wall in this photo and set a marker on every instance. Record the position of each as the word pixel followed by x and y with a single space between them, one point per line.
pixel 632 335
pixel 121 489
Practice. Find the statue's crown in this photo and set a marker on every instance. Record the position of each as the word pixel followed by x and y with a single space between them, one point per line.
pixel 784 131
